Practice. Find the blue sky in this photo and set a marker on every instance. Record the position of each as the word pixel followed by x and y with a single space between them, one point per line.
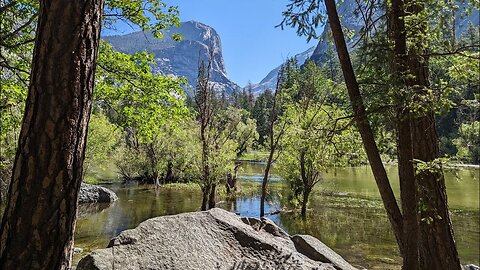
pixel 251 44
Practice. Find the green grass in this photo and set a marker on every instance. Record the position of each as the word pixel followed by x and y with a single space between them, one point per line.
pixel 245 189
pixel 90 180
pixel 182 186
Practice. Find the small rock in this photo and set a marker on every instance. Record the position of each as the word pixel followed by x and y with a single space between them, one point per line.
pixel 77 250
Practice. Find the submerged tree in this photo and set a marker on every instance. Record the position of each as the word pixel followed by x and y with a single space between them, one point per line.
pixel 315 142
pixel 206 105
pixel 320 135
pixel 275 129
pixel 218 148
pixel 143 104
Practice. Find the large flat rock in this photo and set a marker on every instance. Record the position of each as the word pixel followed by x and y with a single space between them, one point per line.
pixel 214 239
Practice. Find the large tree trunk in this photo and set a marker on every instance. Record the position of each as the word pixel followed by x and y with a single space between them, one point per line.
pixel 406 172
pixel 380 175
pixel 408 193
pixel 437 246
pixel 39 220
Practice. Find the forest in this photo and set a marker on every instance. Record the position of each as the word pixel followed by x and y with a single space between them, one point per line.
pixel 402 91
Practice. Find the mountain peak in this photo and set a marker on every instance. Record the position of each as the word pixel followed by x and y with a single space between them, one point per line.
pixel 270 81
pixel 181 58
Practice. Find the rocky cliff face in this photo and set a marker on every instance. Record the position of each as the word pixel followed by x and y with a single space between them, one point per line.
pixel 180 58
pixel 352 22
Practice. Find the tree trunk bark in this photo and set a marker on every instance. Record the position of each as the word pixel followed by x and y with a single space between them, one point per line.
pixel 265 182
pixel 229 182
pixel 304 209
pixel 406 172
pixel 306 194
pixel 211 197
pixel 39 220
pixel 408 194
pixel 380 175
pixel 169 178
pixel 437 245
pixel 205 196
pixel 235 177
pixel 206 168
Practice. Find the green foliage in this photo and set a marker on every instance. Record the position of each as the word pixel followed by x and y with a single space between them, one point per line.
pixel 140 100
pixel 468 142
pixel 179 148
pixel 172 155
pixel 17 26
pixel 148 107
pixel 261 113
pixel 304 15
pixel 243 99
pixel 17 37
pixel 239 127
pixel 319 134
pixel 103 138
pixel 320 141
pixel 220 160
pixel 144 14
pixel 90 180
pixel 131 162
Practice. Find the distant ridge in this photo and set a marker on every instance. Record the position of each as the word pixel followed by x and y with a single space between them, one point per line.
pixel 270 81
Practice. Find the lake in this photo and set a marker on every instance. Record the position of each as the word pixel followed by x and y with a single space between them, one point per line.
pixel 345 213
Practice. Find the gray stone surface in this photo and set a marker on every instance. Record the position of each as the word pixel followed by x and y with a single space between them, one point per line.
pixel 214 239
pixel 318 251
pixel 352 20
pixel 95 194
pixel 471 267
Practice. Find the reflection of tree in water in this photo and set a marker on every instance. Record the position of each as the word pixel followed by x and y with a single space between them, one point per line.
pixel 231 204
pixel 87 209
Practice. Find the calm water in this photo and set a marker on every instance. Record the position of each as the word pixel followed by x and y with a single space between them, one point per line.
pixel 346 213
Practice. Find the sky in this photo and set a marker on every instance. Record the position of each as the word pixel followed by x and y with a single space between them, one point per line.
pixel 251 44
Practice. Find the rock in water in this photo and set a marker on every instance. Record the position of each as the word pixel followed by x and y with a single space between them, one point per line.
pixel 214 239
pixel 95 194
